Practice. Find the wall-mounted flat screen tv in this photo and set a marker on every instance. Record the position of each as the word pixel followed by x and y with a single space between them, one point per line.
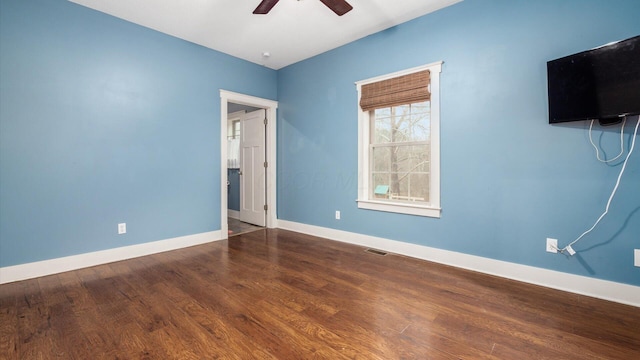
pixel 602 83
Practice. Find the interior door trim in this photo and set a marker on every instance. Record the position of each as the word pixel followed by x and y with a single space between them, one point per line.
pixel 270 106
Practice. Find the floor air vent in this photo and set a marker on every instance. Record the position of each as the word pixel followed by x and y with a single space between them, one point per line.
pixel 376 252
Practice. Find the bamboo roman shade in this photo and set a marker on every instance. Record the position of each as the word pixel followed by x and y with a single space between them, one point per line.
pixel 405 89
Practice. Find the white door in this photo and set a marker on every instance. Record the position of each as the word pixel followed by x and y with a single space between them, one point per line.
pixel 252 168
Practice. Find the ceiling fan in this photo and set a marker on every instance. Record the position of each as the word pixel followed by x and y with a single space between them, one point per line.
pixel 340 7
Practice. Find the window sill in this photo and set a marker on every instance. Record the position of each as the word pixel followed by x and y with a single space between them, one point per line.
pixel 401 208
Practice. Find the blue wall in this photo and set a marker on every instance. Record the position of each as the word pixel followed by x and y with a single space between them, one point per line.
pixel 103 121
pixel 233 190
pixel 509 179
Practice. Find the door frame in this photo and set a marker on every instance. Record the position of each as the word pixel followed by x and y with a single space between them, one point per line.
pixel 270 107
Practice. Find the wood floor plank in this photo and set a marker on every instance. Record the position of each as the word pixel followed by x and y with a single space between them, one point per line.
pixel 276 294
pixel 9 338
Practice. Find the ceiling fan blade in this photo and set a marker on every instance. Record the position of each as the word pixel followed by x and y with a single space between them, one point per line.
pixel 340 7
pixel 265 6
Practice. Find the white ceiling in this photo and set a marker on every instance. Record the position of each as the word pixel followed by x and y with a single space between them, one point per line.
pixel 294 30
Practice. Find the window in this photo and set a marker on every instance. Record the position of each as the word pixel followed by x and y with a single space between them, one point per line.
pixel 233 139
pixel 233 131
pixel 399 147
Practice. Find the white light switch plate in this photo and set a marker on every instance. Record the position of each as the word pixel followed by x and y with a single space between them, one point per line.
pixel 636 257
pixel 122 228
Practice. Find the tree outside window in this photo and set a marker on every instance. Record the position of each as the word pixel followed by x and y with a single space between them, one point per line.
pixel 400 153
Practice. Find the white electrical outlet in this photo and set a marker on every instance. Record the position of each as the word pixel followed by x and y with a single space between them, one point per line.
pixel 552 245
pixel 122 228
pixel 337 214
pixel 636 257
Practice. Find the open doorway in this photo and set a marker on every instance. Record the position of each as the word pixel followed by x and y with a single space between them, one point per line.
pixel 248 171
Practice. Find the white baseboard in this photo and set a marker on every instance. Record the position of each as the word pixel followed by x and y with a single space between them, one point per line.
pixel 68 263
pixel 234 214
pixel 601 289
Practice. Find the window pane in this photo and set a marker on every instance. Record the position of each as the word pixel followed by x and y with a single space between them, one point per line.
pixel 233 131
pixel 403 186
pixel 380 188
pixel 381 130
pixel 407 186
pixel 401 123
pixel 381 159
pixel 399 165
pixel 420 127
pixel 419 122
pixel 420 159
pixel 401 127
pixel 401 158
pixel 236 129
pixel 384 112
pixel 419 190
pixel 421 107
pixel 408 172
pixel 401 110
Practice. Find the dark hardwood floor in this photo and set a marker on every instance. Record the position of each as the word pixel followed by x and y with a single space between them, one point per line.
pixel 275 294
pixel 237 227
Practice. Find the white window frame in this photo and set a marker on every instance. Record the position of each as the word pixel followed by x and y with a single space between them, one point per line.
pixel 431 209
